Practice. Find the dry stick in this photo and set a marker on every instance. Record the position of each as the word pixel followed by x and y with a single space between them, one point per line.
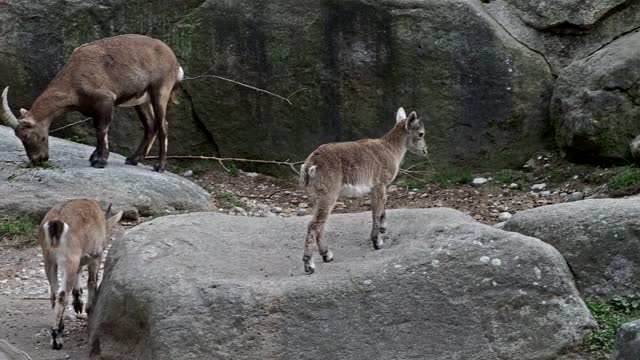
pixel 259 196
pixel 247 86
pixel 220 160
pixel 70 125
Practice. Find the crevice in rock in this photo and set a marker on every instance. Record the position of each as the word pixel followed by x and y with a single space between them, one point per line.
pixel 625 92
pixel 200 123
pixel 612 40
pixel 523 43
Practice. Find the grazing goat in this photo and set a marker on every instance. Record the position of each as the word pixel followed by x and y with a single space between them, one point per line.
pixel 354 169
pixel 73 234
pixel 126 70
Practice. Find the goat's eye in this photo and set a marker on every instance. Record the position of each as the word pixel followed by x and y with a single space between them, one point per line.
pixel 421 134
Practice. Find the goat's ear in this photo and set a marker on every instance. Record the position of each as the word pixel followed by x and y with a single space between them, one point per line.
pixel 400 115
pixel 114 219
pixel 23 112
pixel 411 120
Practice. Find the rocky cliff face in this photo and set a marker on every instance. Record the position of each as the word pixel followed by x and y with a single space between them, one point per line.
pixel 481 75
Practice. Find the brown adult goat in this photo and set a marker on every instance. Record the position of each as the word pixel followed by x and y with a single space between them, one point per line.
pixel 354 169
pixel 125 70
pixel 73 234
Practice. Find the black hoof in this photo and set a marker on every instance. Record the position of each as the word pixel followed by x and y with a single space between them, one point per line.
pixel 376 243
pixel 56 342
pixel 77 306
pixel 383 230
pixel 308 269
pixel 328 257
pixel 131 162
pixel 158 168
pixel 100 164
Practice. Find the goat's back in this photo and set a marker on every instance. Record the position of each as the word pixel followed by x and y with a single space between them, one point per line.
pixel 127 65
pixel 84 221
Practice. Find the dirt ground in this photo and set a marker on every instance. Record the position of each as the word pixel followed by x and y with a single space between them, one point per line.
pixel 25 312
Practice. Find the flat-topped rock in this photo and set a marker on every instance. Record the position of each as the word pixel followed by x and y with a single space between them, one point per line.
pixel 599 238
pixel 207 285
pixel 138 188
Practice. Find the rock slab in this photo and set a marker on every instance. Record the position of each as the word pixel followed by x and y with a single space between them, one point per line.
pixel 10 352
pixel 138 189
pixel 599 238
pixel 443 287
pixel 627 345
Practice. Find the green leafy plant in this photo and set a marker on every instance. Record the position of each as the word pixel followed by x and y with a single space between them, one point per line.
pixel 226 199
pixel 610 315
pixel 19 231
pixel 629 177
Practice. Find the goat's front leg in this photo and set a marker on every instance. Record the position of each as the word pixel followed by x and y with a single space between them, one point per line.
pixel 378 200
pixel 101 120
pixel 92 283
pixel 69 269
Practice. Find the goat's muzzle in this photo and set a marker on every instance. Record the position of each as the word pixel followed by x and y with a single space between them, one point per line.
pixel 6 115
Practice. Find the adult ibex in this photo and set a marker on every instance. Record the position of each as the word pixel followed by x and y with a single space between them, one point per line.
pixel 353 169
pixel 73 234
pixel 125 70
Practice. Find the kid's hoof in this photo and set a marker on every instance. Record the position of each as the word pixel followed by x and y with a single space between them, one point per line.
pixel 56 339
pixel 377 242
pixel 328 257
pixel 100 164
pixel 158 168
pixel 383 230
pixel 309 266
pixel 131 162
pixel 77 306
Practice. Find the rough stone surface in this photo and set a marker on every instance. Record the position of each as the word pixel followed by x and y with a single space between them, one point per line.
pixel 10 352
pixel 627 345
pixel 543 14
pixel 443 287
pixel 135 189
pixel 596 101
pixel 599 238
pixel 354 63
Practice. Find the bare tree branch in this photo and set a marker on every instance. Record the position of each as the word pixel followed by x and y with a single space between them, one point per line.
pixel 221 160
pixel 206 75
pixel 69 125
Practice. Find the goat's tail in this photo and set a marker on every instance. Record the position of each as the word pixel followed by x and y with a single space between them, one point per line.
pixel 55 232
pixel 307 172
pixel 174 96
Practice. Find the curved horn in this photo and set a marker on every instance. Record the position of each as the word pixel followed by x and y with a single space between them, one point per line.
pixel 7 116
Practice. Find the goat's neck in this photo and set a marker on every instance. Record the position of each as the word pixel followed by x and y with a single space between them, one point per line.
pixel 396 139
pixel 51 103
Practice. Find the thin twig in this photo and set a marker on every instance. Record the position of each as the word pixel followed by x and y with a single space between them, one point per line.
pixel 220 160
pixel 70 125
pixel 259 196
pixel 243 84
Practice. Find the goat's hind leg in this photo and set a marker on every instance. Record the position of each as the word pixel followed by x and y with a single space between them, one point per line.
pixel 68 281
pixel 315 232
pixel 77 293
pixel 145 114
pixel 92 283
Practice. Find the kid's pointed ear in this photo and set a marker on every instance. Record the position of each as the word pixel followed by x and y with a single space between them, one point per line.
pixel 411 120
pixel 400 115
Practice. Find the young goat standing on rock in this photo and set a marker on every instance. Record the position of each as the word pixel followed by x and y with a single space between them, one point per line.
pixel 354 169
pixel 73 234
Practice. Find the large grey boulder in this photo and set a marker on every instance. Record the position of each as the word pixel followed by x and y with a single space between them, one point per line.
pixel 351 64
pixel 596 101
pixel 600 239
pixel 206 285
pixel 627 344
pixel 135 189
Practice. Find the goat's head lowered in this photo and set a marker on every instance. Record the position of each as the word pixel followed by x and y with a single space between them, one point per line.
pixel 34 135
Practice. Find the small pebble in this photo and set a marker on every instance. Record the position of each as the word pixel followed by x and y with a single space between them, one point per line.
pixel 188 173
